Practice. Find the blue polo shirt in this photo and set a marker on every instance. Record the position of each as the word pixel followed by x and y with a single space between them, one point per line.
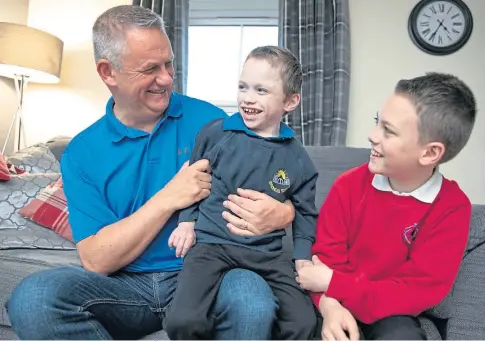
pixel 110 170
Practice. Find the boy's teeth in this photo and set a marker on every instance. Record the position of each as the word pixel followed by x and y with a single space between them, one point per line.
pixel 376 154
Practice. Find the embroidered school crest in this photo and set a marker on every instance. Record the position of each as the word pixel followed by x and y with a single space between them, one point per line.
pixel 410 233
pixel 280 182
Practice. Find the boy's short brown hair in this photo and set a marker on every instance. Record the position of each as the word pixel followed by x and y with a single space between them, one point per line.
pixel 291 71
pixel 446 108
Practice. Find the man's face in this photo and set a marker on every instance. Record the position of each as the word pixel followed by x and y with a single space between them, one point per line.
pixel 261 98
pixel 396 149
pixel 144 83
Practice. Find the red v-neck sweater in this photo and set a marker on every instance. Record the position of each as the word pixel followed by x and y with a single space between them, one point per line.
pixel 360 235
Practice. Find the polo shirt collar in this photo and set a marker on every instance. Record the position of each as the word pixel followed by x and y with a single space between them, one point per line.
pixel 119 130
pixel 426 193
pixel 235 122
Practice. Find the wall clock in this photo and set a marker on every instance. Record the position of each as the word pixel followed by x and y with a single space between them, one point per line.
pixel 440 27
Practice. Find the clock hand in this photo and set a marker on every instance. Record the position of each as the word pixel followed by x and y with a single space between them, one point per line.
pixel 434 33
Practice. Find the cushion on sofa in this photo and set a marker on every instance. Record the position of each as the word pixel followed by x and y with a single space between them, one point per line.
pixel 4 172
pixel 49 209
pixel 17 231
pixel 35 159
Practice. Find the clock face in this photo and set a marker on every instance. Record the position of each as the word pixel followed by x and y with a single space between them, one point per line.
pixel 441 23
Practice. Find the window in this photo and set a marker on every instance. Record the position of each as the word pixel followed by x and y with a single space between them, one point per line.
pixel 216 56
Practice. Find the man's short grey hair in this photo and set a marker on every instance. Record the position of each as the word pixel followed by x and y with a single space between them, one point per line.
pixel 110 27
pixel 446 108
pixel 291 71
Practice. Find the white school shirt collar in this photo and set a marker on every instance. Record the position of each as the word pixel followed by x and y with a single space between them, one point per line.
pixel 426 193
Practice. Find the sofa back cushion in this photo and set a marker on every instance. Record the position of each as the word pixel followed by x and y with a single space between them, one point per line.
pixel 331 162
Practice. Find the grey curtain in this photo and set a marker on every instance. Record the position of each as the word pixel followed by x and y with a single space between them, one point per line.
pixel 317 32
pixel 175 14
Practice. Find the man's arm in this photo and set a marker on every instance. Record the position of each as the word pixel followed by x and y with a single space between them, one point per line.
pixel 105 244
pixel 421 283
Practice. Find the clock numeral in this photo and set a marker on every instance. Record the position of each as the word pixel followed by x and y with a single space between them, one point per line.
pixel 424 23
pixel 433 9
pixel 440 40
pixel 442 7
pixel 427 16
pixel 455 31
pixel 449 10
pixel 432 36
pixel 426 32
pixel 457 24
pixel 454 16
pixel 449 38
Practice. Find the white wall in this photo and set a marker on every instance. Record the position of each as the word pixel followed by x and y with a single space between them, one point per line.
pixel 13 11
pixel 383 53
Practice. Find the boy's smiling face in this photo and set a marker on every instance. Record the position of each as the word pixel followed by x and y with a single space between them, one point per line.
pixel 396 148
pixel 261 97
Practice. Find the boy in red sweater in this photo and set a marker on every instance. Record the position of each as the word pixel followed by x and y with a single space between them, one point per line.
pixel 392 233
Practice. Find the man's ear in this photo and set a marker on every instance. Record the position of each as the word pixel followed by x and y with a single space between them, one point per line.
pixel 432 154
pixel 106 72
pixel 292 102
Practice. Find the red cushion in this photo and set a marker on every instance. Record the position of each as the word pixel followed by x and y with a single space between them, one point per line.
pixel 4 172
pixel 49 209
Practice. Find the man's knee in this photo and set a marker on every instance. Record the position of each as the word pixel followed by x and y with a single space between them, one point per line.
pixel 37 296
pixel 396 328
pixel 248 296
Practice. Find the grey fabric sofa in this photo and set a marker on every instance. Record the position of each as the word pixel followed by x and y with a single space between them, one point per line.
pixel 460 316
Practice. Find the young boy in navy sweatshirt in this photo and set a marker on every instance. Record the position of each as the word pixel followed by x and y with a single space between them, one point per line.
pixel 392 233
pixel 254 150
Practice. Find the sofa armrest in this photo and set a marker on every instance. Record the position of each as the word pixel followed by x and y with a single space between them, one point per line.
pixel 468 318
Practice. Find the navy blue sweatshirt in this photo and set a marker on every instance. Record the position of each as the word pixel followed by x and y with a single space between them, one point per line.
pixel 277 166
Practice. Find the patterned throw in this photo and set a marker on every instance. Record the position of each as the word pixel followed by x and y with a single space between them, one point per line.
pixel 49 209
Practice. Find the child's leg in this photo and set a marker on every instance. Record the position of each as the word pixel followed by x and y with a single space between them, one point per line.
pixel 398 327
pixel 189 315
pixel 296 318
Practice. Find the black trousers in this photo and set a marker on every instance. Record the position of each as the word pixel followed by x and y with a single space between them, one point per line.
pixel 399 327
pixel 189 315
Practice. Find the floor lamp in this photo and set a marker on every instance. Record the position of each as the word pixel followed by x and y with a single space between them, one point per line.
pixel 27 55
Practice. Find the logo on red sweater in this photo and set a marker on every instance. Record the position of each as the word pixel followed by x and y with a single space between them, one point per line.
pixel 410 233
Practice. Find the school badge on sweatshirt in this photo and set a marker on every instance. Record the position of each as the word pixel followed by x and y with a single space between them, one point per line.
pixel 280 182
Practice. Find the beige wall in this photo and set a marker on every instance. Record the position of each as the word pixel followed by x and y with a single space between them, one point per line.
pixel 382 53
pixel 14 11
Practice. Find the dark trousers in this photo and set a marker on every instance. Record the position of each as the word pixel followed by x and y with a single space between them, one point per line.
pixel 188 317
pixel 399 327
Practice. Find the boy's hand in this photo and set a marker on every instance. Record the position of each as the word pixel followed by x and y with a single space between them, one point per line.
pixel 183 238
pixel 300 263
pixel 315 277
pixel 337 320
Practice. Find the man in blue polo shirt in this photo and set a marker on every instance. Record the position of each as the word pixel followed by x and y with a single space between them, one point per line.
pixel 125 181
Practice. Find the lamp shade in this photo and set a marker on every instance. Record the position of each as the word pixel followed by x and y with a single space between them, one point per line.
pixel 26 51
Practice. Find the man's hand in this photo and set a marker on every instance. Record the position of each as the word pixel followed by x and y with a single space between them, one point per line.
pixel 300 263
pixel 255 213
pixel 190 185
pixel 315 277
pixel 183 238
pixel 336 321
